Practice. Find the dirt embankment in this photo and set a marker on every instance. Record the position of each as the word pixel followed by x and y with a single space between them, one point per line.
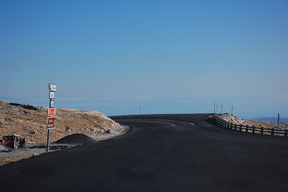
pixel 265 124
pixel 73 127
pixel 29 122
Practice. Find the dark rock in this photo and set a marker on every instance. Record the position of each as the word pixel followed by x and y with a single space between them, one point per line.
pixel 76 139
pixel 26 106
pixel 107 131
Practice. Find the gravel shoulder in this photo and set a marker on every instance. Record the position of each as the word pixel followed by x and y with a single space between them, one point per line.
pixel 8 155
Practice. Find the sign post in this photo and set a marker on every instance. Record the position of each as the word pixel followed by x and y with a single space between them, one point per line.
pixel 278 124
pixel 51 113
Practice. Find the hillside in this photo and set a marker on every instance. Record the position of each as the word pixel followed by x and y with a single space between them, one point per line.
pixel 29 122
pixel 257 123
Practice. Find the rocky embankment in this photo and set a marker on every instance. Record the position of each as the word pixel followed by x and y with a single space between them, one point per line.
pixel 231 119
pixel 236 120
pixel 29 122
pixel 73 127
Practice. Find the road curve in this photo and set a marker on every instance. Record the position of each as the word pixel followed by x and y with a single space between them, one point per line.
pixel 179 152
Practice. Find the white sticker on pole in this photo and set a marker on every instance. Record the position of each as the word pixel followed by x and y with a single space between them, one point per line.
pixel 51 95
pixel 52 87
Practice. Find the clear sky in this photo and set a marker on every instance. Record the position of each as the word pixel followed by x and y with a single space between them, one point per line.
pixel 167 56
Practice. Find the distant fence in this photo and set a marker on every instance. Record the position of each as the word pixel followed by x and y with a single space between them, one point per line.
pixel 246 128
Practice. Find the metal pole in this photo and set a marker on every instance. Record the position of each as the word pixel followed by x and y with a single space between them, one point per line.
pixel 48 141
pixel 278 122
pixel 48 130
pixel 52 90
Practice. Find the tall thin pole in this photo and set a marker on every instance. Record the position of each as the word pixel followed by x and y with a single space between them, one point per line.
pixel 51 104
pixel 51 117
pixel 48 141
pixel 278 123
pixel 232 110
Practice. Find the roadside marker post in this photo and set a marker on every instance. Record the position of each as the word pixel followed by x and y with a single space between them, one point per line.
pixel 51 113
pixel 278 124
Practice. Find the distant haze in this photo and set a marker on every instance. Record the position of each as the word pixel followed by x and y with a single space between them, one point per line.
pixel 275 119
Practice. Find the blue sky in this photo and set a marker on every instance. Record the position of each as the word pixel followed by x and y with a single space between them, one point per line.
pixel 165 56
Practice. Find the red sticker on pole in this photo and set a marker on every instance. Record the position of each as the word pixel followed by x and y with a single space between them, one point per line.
pixel 51 111
pixel 51 122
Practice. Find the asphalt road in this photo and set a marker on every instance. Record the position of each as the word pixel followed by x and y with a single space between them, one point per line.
pixel 161 153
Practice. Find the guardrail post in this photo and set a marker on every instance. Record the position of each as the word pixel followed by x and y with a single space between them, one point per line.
pixel 285 132
pixel 247 126
pixel 253 129
pixel 262 130
pixel 272 131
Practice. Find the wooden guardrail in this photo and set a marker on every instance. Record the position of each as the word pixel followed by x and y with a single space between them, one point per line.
pixel 246 128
